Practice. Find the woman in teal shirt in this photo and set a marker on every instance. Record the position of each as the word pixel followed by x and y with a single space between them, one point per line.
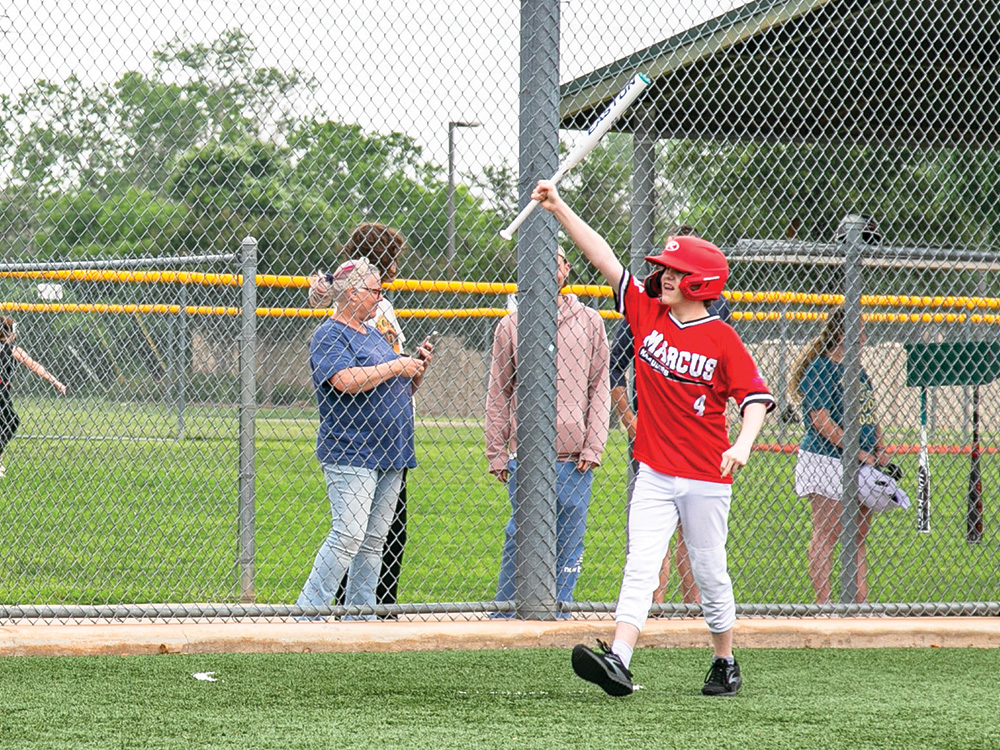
pixel 818 380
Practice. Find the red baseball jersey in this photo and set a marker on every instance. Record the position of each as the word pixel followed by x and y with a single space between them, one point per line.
pixel 684 374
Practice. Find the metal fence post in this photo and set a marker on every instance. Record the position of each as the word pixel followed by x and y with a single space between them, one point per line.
pixel 180 359
pixel 535 515
pixel 643 229
pixel 851 444
pixel 643 221
pixel 781 387
pixel 247 409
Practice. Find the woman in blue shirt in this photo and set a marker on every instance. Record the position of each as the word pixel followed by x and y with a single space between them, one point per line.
pixel 818 380
pixel 365 440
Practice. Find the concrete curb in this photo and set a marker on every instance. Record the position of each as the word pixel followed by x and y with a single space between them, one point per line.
pixel 127 639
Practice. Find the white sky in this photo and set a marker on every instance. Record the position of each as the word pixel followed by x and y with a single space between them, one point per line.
pixel 396 65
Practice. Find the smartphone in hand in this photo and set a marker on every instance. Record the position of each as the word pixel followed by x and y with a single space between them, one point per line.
pixel 431 340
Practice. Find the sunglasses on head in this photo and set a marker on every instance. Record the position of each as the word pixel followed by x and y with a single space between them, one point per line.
pixel 344 270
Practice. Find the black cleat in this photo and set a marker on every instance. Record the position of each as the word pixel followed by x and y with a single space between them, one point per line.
pixel 723 678
pixel 604 669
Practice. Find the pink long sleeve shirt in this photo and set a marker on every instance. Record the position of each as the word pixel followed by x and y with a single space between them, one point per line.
pixel 583 399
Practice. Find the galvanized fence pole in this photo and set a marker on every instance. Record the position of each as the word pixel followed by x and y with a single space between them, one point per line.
pixel 247 410
pixel 784 373
pixel 643 220
pixel 535 515
pixel 180 358
pixel 642 226
pixel 851 441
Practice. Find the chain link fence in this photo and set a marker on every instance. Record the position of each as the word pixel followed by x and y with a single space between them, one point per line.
pixel 178 476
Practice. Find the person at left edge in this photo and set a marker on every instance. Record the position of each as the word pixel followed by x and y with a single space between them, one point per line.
pixel 365 438
pixel 9 353
pixel 582 409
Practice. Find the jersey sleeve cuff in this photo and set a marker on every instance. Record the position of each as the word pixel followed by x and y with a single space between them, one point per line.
pixel 620 291
pixel 759 398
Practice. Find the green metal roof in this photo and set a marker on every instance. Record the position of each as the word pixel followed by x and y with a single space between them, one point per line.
pixel 680 50
pixel 922 71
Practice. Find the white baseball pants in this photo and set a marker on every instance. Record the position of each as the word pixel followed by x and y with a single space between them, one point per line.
pixel 658 500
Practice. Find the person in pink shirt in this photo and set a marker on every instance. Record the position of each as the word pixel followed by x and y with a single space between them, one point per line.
pixel 583 405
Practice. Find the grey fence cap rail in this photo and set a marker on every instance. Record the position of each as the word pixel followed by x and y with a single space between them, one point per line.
pixel 800 252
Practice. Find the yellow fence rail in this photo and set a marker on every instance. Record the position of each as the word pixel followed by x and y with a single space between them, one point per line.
pixel 474 312
pixel 925 303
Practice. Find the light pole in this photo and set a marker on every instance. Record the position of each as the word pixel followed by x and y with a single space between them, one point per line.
pixel 450 252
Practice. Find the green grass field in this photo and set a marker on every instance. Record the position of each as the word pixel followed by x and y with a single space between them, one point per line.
pixel 832 699
pixel 114 520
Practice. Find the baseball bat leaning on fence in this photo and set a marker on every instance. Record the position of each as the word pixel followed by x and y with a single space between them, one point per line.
pixel 974 512
pixel 595 132
pixel 923 472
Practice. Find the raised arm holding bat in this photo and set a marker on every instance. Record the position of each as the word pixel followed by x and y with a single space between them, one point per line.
pixel 598 129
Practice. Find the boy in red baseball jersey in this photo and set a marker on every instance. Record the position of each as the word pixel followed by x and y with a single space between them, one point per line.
pixel 687 365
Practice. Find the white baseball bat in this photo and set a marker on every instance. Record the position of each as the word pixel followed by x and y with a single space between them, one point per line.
pixel 597 130
pixel 923 472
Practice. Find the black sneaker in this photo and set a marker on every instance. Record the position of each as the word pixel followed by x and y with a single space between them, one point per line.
pixel 723 678
pixel 604 669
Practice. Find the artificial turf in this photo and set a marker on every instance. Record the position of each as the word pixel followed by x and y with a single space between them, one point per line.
pixel 831 699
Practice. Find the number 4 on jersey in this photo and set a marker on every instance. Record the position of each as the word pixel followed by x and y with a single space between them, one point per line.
pixel 699 406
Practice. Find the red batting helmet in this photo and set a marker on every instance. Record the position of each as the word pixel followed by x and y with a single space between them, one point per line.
pixel 705 265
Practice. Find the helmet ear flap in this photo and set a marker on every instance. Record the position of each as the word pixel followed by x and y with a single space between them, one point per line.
pixel 653 284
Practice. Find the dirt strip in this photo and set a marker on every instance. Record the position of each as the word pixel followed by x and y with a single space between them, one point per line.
pixel 123 639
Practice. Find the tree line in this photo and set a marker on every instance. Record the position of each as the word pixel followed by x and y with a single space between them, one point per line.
pixel 208 148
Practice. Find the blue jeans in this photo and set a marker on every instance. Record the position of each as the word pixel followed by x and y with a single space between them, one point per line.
pixel 572 500
pixel 362 502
